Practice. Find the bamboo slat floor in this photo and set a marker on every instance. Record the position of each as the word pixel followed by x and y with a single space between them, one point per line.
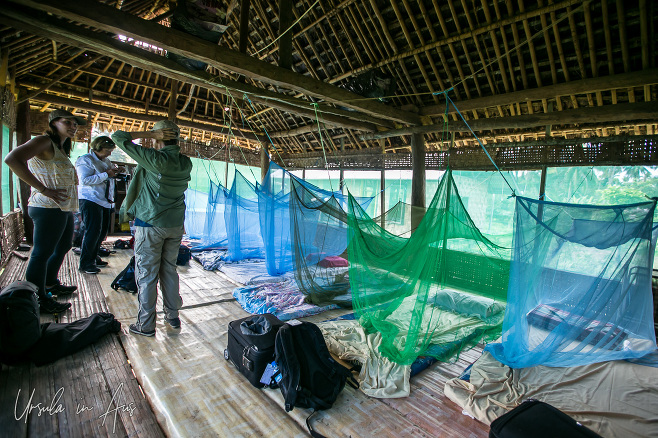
pixel 192 391
pixel 77 390
pixel 195 392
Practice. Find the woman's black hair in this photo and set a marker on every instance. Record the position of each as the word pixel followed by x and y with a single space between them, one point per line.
pixel 170 142
pixel 54 136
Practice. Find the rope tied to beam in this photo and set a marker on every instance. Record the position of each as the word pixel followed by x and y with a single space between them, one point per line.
pixel 326 163
pixel 291 26
pixel 450 102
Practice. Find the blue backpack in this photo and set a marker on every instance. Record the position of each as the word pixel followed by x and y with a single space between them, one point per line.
pixel 126 278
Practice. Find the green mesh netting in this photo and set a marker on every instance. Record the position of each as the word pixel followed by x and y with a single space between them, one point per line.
pixel 435 293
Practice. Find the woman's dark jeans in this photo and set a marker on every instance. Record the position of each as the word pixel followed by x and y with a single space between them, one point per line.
pixel 96 220
pixel 52 239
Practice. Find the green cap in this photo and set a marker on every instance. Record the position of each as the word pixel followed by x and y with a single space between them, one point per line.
pixel 167 124
pixel 63 114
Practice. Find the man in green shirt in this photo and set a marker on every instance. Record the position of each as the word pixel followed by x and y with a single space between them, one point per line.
pixel 156 201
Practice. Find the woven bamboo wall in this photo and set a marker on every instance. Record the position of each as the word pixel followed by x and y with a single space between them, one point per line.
pixel 7 107
pixel 11 226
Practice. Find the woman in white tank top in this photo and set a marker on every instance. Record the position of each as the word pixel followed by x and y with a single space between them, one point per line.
pixel 43 163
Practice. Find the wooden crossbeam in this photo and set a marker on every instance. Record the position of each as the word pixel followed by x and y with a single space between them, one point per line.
pixel 608 113
pixel 60 30
pixel 183 123
pixel 106 18
pixel 626 80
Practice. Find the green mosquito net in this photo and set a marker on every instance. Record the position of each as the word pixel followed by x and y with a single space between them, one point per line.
pixel 435 293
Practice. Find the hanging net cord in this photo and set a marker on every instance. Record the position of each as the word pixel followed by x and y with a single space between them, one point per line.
pixel 580 285
pixel 435 293
pixel 450 102
pixel 262 125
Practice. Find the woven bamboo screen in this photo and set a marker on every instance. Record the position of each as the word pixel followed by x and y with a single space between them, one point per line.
pixel 8 107
pixel 603 151
pixel 11 226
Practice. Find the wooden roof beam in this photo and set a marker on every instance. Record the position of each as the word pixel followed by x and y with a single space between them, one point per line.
pixel 109 19
pixel 60 30
pixel 57 79
pixel 583 86
pixel 129 115
pixel 607 113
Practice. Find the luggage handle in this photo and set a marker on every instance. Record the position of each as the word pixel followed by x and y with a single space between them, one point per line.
pixel 246 362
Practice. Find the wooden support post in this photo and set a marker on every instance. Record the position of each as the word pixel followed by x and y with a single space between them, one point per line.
pixel 90 120
pixel 4 64
pixel 542 181
pixel 341 181
pixel 452 145
pixel 6 168
pixel 264 161
pixel 12 80
pixel 245 5
pixel 173 97
pixel 23 136
pixel 285 39
pixel 417 178
pixel 244 25
pixel 226 157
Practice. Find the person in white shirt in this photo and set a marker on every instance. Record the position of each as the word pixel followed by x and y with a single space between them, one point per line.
pixel 96 196
pixel 43 163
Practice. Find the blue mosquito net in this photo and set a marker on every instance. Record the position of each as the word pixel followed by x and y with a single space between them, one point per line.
pixel 242 221
pixel 278 214
pixel 214 227
pixel 204 217
pixel 318 226
pixel 580 285
pixel 274 216
pixel 195 212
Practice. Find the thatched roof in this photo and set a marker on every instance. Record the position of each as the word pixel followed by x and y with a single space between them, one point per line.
pixel 516 70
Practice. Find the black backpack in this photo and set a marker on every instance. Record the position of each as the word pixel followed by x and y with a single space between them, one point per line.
pixel 310 377
pixel 20 327
pixel 184 255
pixel 126 278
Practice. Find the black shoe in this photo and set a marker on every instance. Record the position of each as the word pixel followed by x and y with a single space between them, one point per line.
pixel 134 329
pixel 100 262
pixel 91 270
pixel 61 289
pixel 48 305
pixel 106 252
pixel 173 322
pixel 77 251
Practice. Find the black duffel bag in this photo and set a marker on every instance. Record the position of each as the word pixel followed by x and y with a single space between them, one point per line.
pixel 536 419
pixel 20 327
